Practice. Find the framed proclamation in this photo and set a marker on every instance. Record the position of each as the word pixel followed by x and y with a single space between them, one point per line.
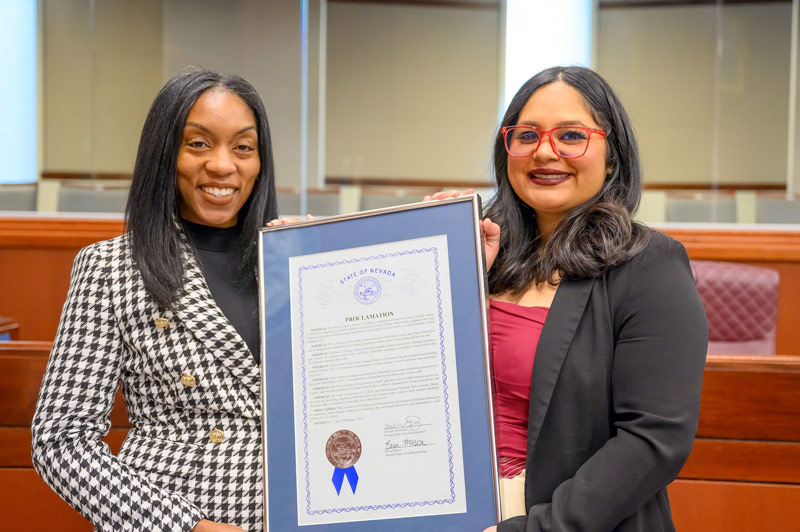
pixel 375 383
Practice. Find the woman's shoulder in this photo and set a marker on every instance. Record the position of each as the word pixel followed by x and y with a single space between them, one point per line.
pixel 110 251
pixel 659 246
pixel 661 255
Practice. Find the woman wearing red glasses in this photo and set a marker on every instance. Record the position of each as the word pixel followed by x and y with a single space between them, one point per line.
pixel 598 335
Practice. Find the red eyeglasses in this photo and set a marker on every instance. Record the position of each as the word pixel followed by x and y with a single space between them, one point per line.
pixel 567 141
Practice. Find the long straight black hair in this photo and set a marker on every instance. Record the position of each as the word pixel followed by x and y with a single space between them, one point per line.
pixel 593 236
pixel 152 215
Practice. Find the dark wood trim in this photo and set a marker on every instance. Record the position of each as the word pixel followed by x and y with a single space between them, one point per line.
pixel 489 5
pixel 409 182
pixel 56 232
pixel 85 175
pixel 750 405
pixel 749 461
pixel 311 191
pixel 724 506
pixel 678 3
pixel 26 348
pixel 461 184
pixel 738 245
pixel 752 397
pixel 713 187
pixel 27 503
pixel 405 182
pixel 22 365
pixel 760 363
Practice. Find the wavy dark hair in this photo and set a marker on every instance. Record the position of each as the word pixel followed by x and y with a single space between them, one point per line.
pixel 152 211
pixel 592 237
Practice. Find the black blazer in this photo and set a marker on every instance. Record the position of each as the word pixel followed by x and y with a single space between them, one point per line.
pixel 615 396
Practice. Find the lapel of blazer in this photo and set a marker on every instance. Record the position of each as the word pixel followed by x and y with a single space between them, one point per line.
pixel 559 328
pixel 198 311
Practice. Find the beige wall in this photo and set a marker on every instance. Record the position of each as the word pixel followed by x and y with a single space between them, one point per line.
pixel 662 61
pixel 411 91
pixel 259 41
pixel 101 71
pixel 796 166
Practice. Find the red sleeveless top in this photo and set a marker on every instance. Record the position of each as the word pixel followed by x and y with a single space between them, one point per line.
pixel 515 333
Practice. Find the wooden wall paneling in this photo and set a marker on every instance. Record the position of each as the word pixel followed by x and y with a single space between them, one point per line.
pixel 714 506
pixel 27 504
pixel 21 370
pixel 753 363
pixel 22 365
pixel 738 245
pixel 36 257
pixel 740 476
pixel 750 405
pixel 750 461
pixel 34 284
pixel 56 232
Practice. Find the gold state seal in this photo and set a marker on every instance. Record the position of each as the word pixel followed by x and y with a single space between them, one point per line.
pixel 343 449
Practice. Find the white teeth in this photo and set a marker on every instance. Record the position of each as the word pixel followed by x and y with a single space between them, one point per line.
pixel 550 176
pixel 218 192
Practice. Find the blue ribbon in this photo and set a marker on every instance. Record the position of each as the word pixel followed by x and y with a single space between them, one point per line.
pixel 338 478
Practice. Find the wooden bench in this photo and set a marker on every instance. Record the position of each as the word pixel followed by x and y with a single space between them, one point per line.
pixel 744 471
pixel 26 502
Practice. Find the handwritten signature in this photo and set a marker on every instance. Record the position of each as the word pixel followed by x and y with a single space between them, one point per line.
pixel 407 442
pixel 411 423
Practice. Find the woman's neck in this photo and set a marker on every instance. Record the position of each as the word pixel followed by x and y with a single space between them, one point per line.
pixel 546 223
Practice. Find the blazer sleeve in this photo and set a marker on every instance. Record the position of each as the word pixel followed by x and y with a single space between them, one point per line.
pixel 72 414
pixel 661 341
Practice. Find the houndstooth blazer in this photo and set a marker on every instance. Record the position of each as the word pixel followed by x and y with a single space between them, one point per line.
pixel 184 380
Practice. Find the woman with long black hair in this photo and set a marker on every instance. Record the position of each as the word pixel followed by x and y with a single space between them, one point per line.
pixel 170 308
pixel 598 334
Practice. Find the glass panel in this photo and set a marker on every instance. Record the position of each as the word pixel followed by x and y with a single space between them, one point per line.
pixel 18 127
pixel 105 60
pixel 412 91
pixel 707 87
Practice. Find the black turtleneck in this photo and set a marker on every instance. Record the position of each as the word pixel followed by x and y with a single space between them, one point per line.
pixel 217 250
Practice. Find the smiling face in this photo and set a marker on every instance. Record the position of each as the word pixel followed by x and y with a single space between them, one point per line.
pixel 218 160
pixel 550 184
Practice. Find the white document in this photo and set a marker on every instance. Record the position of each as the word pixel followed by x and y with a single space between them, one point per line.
pixel 377 423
